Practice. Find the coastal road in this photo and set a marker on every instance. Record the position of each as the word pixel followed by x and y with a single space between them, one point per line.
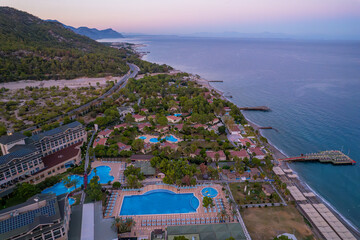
pixel 134 70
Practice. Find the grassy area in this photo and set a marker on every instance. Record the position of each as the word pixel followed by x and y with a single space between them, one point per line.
pixel 77 199
pixel 266 223
pixel 256 194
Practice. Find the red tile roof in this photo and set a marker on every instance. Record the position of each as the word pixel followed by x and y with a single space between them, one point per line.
pixel 105 132
pixel 175 118
pixel 211 154
pixel 99 141
pixel 137 116
pixel 124 125
pixel 245 140
pixel 62 155
pixel 257 151
pixel 241 154
pixel 123 147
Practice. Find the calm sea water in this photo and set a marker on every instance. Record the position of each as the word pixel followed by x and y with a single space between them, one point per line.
pixel 313 89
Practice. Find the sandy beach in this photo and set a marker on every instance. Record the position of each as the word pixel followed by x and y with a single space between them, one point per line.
pixel 73 83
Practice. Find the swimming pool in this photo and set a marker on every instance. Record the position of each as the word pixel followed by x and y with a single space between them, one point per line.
pixel 177 114
pixel 71 201
pixel 142 137
pixel 103 172
pixel 171 138
pixel 159 201
pixel 209 192
pixel 154 140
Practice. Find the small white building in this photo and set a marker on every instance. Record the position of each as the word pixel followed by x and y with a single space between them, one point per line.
pixel 123 111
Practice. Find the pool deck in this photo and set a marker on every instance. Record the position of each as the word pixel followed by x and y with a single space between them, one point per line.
pixel 141 230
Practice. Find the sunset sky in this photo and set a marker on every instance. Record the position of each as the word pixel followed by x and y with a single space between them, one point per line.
pixel 330 18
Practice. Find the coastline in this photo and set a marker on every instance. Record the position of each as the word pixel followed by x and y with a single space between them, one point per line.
pixel 277 153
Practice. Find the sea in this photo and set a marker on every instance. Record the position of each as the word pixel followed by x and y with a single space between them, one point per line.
pixel 311 86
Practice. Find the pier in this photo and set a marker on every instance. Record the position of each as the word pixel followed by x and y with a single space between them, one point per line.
pixel 259 108
pixel 334 157
pixel 215 81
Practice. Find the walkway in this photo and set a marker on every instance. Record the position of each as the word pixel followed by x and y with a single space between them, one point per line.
pixel 88 224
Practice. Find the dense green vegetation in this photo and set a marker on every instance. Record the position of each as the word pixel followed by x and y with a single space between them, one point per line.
pixel 31 48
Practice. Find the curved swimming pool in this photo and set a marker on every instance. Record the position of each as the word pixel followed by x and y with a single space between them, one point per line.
pixel 171 138
pixel 209 192
pixel 102 171
pixel 159 202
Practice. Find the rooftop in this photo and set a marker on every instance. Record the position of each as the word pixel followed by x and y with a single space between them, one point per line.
pixel 62 155
pixel 55 131
pixel 12 138
pixel 16 152
pixel 141 157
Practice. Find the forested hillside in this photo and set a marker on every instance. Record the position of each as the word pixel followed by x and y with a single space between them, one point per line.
pixel 31 48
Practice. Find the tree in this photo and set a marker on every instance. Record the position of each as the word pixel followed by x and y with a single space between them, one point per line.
pixel 132 181
pixel 230 238
pixel 94 189
pixel 207 202
pixel 116 185
pixel 24 191
pixel 2 129
pixel 222 129
pixel 180 238
pixel 121 226
pixel 129 118
pixel 222 215
pixel 162 120
pixel 137 145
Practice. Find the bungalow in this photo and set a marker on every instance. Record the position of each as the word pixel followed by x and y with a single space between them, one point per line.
pixel 141 126
pixel 123 111
pixel 145 110
pixel 173 109
pixel 234 129
pixel 160 128
pixel 199 126
pixel 259 153
pixel 216 156
pixel 267 189
pixel 105 133
pixel 99 141
pixel 227 109
pixel 196 153
pixel 214 121
pixel 172 146
pixel 123 147
pixel 173 119
pixel 179 126
pixel 123 125
pixel 138 118
pixel 153 117
pixel 244 141
pixel 230 175
pixel 240 154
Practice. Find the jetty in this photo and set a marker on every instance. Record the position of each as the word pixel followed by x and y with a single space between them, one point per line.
pixel 215 81
pixel 332 156
pixel 259 108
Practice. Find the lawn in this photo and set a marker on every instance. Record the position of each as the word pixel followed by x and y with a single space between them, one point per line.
pixel 266 223
pixel 256 194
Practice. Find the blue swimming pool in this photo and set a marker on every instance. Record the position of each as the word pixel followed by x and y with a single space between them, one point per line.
pixel 209 192
pixel 159 202
pixel 103 172
pixel 142 137
pixel 177 114
pixel 154 140
pixel 171 138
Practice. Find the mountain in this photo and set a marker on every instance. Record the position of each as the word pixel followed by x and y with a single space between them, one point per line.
pixel 31 48
pixel 93 33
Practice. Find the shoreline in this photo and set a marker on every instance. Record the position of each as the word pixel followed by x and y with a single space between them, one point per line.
pixel 277 153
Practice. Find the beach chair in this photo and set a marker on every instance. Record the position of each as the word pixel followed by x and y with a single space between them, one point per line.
pixel 197 221
pixel 163 222
pixel 217 219
pixel 205 210
pixel 202 220
pixel 148 223
pixel 209 210
pixel 169 222
pixel 183 221
pixel 173 221
pixel 192 220
pixel 158 223
pixel 178 221
pixel 188 221
pixel 207 220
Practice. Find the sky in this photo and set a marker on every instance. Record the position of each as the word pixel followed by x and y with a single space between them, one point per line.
pixel 328 18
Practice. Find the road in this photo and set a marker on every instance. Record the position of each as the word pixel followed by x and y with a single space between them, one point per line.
pixel 120 84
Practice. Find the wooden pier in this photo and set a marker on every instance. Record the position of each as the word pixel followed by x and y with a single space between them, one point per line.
pixel 334 157
pixel 215 81
pixel 259 108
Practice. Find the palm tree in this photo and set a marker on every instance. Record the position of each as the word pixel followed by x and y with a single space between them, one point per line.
pixel 117 223
pixel 234 212
pixel 222 215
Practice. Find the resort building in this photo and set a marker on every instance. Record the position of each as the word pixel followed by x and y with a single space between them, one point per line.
pixel 267 189
pixel 20 163
pixel 42 217
pixel 123 125
pixel 145 168
pixel 58 162
pixel 200 126
pixel 139 118
pixel 257 152
pixel 216 156
pixel 8 141
pixel 247 141
pixel 214 121
pixel 179 126
pixel 123 111
pixel 99 141
pixel 173 119
pixel 172 146
pixel 58 138
pixel 123 147
pixel 105 133
pixel 141 126
pixel 234 129
pixel 162 129
pixel 239 154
